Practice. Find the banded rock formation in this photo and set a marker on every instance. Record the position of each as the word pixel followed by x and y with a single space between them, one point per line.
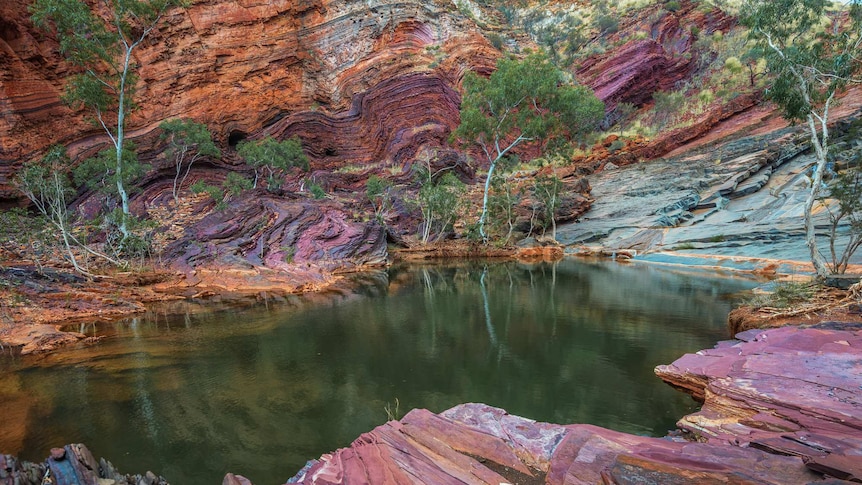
pixel 363 84
pixel 638 68
pixel 240 67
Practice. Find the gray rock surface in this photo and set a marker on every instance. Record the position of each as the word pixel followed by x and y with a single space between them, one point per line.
pixel 741 198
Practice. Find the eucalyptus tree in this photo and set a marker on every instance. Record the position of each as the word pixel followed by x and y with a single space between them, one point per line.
pixel 812 54
pixel 101 42
pixel 523 101
pixel 274 156
pixel 46 183
pixel 188 141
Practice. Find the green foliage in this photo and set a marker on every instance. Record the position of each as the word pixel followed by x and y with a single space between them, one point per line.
pixel 623 113
pixel 672 6
pixel 46 183
pixel 236 183
pixel 439 202
pixel 496 41
pixel 289 253
pixel 812 53
pixel 316 190
pixel 502 201
pixel 616 146
pixel 784 295
pixel 187 142
pixel 379 193
pixel 546 193
pixel 136 243
pixel 27 235
pixel 103 47
pixel 215 192
pixel 667 107
pixel 100 172
pixel 524 101
pixel 847 191
pixel 809 62
pixel 273 156
pixel 86 38
pixel 733 64
pixel 606 24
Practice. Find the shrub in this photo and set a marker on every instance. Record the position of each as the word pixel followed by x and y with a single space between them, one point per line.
pixel 784 294
pixel 316 190
pixel 607 24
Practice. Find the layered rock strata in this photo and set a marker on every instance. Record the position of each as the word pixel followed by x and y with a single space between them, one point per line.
pixel 790 390
pixel 366 86
pixel 667 55
pixel 294 236
pixel 479 444
pixel 359 82
pixel 742 198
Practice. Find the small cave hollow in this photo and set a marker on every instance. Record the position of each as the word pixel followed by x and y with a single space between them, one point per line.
pixel 235 137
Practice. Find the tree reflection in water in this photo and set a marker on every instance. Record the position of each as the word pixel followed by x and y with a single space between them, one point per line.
pixel 260 390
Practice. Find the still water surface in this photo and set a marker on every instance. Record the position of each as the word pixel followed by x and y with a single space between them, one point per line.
pixel 258 391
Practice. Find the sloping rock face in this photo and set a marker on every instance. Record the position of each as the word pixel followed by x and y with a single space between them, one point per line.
pixel 633 72
pixel 479 444
pixel 787 389
pixel 743 198
pixel 267 241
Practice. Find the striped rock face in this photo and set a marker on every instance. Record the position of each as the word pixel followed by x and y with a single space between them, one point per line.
pixel 358 82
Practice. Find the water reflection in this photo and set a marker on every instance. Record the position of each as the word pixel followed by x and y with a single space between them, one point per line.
pixel 259 390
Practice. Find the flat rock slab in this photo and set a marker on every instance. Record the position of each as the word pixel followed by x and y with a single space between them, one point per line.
pixel 790 390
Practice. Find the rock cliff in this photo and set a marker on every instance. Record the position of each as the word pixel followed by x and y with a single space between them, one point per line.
pixel 369 87
pixel 358 79
pixel 365 85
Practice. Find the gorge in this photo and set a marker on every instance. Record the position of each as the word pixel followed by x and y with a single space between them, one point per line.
pixel 373 89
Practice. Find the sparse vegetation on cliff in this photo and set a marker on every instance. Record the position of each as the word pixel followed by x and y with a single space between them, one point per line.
pixel 273 156
pixel 104 49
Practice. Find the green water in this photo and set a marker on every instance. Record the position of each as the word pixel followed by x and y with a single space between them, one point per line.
pixel 258 391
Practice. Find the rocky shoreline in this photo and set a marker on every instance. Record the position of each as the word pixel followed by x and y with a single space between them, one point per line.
pixel 780 406
pixel 71 465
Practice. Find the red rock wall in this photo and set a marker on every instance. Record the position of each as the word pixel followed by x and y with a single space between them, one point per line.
pixel 632 72
pixel 357 83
